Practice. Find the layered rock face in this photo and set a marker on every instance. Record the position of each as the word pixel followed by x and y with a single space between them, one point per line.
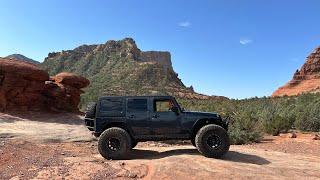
pixel 23 86
pixel 305 80
pixel 121 68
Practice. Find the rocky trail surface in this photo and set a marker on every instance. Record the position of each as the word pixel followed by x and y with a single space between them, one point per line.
pixel 58 146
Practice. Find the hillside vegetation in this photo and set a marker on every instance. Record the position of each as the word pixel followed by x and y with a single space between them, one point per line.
pixel 251 118
pixel 120 68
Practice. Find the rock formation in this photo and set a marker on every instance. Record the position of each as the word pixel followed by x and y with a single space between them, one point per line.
pixel 305 80
pixel 23 86
pixel 121 68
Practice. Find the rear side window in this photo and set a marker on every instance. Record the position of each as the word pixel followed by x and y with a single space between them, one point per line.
pixel 137 105
pixel 111 107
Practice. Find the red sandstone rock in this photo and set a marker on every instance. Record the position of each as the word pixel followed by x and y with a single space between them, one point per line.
pixel 24 86
pixel 23 69
pixel 305 80
pixel 71 79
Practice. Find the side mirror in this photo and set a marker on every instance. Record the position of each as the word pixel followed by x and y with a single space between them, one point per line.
pixel 175 109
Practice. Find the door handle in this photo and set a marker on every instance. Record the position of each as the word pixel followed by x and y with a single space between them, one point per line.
pixel 132 116
pixel 155 116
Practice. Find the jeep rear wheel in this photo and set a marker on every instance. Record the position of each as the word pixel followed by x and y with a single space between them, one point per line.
pixel 212 141
pixel 114 143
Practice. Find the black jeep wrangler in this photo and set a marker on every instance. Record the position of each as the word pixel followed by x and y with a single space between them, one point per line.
pixel 122 122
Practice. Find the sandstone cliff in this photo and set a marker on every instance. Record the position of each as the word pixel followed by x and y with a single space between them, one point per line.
pixel 23 86
pixel 305 80
pixel 120 68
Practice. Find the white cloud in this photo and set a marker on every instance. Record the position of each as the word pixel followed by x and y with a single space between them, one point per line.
pixel 245 41
pixel 185 24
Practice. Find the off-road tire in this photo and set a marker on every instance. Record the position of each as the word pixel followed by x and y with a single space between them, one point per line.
pixel 124 143
pixel 91 110
pixel 205 134
pixel 133 144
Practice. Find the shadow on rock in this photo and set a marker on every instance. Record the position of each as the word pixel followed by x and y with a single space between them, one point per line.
pixel 230 156
pixel 48 117
pixel 149 154
pixel 245 158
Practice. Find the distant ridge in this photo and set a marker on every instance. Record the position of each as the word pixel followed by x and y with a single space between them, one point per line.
pixel 121 68
pixel 23 58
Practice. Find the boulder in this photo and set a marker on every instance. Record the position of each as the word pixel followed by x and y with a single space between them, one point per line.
pixel 72 80
pixel 23 70
pixel 21 85
pixel 293 134
pixel 24 86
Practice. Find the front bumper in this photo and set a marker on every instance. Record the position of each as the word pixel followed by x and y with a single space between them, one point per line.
pixel 226 122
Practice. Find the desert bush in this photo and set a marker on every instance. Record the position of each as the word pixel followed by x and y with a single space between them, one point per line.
pixel 245 128
pixel 276 125
pixel 309 119
pixel 256 116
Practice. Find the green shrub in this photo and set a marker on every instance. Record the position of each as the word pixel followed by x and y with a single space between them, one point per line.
pixel 277 124
pixel 309 119
pixel 256 116
pixel 245 128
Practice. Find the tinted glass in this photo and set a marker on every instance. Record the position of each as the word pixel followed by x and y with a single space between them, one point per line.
pixel 137 105
pixel 111 105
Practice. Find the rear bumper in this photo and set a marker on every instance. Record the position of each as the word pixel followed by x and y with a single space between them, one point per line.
pixel 95 134
pixel 89 123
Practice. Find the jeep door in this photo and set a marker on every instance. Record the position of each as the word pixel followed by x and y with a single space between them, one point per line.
pixel 138 115
pixel 164 120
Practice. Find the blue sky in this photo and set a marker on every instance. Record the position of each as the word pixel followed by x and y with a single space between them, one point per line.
pixel 234 48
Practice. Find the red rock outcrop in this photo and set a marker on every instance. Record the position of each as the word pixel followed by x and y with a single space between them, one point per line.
pixel 305 80
pixel 71 80
pixel 24 86
pixel 64 90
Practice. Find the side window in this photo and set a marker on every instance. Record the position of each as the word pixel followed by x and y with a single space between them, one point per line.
pixel 137 105
pixel 111 107
pixel 163 105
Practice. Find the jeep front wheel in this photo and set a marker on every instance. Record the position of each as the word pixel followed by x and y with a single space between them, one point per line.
pixel 212 141
pixel 134 144
pixel 114 143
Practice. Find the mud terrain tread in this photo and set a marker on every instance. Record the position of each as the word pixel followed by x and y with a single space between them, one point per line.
pixel 91 110
pixel 125 142
pixel 201 139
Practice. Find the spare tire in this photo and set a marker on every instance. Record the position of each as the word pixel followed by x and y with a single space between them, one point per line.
pixel 91 110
